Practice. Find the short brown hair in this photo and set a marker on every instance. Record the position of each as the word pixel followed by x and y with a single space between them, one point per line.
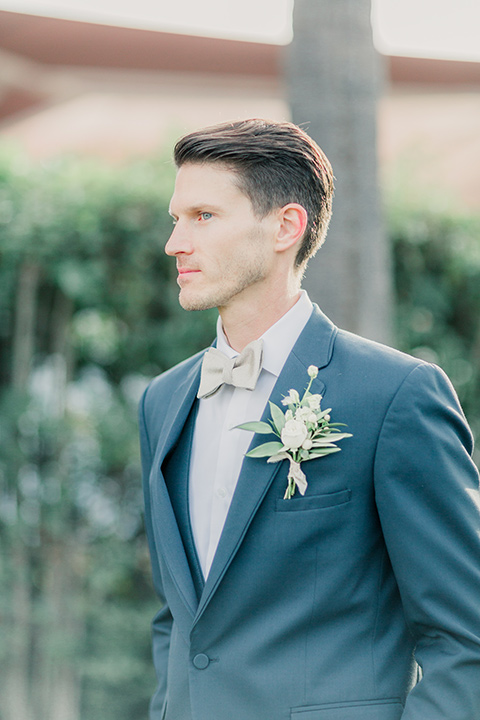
pixel 276 163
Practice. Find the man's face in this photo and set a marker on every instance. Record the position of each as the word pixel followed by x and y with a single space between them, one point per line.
pixel 224 251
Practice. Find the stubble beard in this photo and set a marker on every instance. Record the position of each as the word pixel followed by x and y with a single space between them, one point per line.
pixel 226 290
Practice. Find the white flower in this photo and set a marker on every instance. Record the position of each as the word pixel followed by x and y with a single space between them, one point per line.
pixel 305 414
pixel 304 435
pixel 292 398
pixel 314 402
pixel 294 434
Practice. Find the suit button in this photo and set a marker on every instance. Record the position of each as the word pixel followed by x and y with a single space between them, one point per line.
pixel 201 661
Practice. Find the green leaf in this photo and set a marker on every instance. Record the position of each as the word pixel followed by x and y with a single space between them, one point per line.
pixel 262 428
pixel 277 416
pixel 331 437
pixel 319 452
pixel 321 415
pixel 265 450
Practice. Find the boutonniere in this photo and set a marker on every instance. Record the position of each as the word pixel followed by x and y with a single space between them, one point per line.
pixel 305 433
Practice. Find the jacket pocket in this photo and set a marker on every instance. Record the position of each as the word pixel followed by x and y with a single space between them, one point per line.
pixel 389 709
pixel 313 502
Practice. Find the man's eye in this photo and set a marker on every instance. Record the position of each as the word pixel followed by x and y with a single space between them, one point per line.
pixel 205 216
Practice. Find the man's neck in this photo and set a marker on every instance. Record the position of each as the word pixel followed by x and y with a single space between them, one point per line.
pixel 241 325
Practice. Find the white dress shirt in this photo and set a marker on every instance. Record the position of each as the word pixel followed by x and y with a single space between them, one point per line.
pixel 218 448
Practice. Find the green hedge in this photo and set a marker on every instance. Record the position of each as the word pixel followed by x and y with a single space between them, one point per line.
pixel 437 284
pixel 88 313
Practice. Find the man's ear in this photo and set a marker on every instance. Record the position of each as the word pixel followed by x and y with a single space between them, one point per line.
pixel 293 220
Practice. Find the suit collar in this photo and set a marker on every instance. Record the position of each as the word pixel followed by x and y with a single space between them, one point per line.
pixel 182 398
pixel 315 344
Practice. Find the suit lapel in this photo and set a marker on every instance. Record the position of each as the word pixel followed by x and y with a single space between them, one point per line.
pixel 178 409
pixel 314 347
pixel 166 529
pixel 176 467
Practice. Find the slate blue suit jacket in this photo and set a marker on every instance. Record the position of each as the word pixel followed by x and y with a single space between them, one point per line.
pixel 333 605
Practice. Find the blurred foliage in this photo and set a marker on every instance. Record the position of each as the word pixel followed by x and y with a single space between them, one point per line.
pixel 88 313
pixel 437 282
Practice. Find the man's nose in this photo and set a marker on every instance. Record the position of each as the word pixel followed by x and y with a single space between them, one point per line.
pixel 178 242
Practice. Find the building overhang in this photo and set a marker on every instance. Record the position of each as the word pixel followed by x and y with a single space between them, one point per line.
pixel 38 55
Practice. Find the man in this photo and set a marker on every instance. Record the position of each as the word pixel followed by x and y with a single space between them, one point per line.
pixel 358 598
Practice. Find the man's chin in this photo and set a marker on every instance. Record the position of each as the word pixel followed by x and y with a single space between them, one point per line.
pixel 195 303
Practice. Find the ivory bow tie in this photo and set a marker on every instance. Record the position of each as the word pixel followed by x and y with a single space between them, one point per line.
pixel 240 371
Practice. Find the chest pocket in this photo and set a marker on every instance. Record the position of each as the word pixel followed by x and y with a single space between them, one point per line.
pixel 314 502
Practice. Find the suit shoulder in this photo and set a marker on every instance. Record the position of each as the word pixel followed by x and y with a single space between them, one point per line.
pixel 375 353
pixel 352 356
pixel 382 377
pixel 380 366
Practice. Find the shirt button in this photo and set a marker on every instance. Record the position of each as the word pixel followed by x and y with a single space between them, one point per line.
pixel 201 661
pixel 221 492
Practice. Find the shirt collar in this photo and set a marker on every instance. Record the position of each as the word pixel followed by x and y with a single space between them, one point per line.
pixel 279 339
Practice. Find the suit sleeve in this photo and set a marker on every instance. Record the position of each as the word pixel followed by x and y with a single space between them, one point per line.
pixel 427 493
pixel 162 622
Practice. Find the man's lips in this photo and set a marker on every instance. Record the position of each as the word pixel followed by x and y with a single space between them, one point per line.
pixel 185 271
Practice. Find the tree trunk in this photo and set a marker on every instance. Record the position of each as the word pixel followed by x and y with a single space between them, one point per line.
pixel 40 680
pixel 333 80
pixel 16 695
pixel 24 333
pixel 16 689
pixel 55 682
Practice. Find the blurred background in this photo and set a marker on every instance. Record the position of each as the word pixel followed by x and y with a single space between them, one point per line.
pixel 93 94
